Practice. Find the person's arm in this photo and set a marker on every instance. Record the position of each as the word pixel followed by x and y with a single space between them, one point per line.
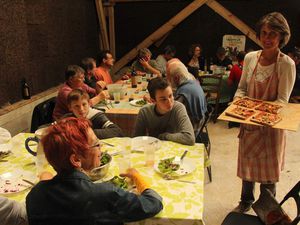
pixel 150 66
pixel 185 134
pixel 98 98
pixel 287 76
pixel 140 125
pixel 104 128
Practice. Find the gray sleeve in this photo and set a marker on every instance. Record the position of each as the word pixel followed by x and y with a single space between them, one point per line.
pixel 141 124
pixel 154 64
pixel 12 212
pixel 186 134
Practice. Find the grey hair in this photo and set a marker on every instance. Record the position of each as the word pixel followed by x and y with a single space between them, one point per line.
pixel 178 69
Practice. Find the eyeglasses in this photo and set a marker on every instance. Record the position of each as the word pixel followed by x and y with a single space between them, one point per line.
pixel 98 145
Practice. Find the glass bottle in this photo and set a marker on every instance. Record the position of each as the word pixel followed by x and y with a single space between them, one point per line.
pixel 25 89
pixel 133 78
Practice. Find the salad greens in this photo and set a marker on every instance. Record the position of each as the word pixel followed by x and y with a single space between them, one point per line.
pixel 167 165
pixel 119 182
pixel 141 102
pixel 105 158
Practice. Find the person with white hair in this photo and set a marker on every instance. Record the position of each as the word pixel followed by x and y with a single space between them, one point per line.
pixel 188 92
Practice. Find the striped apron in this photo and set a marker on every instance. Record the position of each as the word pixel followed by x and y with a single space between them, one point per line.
pixel 261 149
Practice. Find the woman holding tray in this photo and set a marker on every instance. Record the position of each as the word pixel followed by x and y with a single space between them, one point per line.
pixel 268 75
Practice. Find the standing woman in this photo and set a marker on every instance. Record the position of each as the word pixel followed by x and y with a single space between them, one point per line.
pixel 268 75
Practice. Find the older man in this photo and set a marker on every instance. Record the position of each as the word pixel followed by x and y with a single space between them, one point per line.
pixel 188 92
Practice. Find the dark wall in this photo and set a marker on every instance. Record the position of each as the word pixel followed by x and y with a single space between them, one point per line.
pixel 135 21
pixel 39 38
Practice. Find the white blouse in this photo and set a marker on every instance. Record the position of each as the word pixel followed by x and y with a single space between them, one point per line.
pixel 286 71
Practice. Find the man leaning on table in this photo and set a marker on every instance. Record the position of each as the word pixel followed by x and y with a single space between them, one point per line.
pixel 166 119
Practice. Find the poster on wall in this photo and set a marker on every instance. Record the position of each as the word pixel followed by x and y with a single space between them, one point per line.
pixel 234 42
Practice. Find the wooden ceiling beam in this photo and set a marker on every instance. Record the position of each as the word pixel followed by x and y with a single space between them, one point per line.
pixel 102 24
pixel 159 33
pixel 239 24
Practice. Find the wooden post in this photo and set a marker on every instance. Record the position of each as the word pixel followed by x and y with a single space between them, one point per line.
pixel 111 21
pixel 227 15
pixel 160 32
pixel 102 24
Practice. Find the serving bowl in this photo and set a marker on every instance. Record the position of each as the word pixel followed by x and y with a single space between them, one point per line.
pixel 116 88
pixel 99 172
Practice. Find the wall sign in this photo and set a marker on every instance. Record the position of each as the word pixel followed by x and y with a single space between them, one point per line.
pixel 234 42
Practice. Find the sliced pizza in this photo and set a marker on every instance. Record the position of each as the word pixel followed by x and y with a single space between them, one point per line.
pixel 265 118
pixel 240 113
pixel 249 103
pixel 269 108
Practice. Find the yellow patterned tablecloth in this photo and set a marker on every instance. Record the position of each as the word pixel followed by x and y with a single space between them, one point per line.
pixel 183 202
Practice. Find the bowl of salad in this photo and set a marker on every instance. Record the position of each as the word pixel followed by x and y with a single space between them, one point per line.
pixel 99 172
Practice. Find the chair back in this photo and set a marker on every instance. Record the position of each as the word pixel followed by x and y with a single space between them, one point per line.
pixel 295 194
pixel 211 85
pixel 42 114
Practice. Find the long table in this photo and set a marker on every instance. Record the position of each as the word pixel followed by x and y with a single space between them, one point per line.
pixel 183 202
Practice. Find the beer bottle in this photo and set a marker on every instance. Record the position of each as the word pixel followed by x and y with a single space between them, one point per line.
pixel 133 78
pixel 25 89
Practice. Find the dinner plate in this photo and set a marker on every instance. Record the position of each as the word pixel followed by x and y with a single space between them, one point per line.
pixel 187 166
pixel 11 184
pixel 134 102
pixel 139 143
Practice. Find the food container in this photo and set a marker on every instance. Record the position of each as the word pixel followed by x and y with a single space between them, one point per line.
pixel 99 172
pixel 112 88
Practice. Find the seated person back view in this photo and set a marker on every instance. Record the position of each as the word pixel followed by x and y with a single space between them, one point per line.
pixel 221 59
pixel 73 150
pixel 74 77
pixel 144 63
pixel 102 72
pixel 78 102
pixel 189 93
pixel 166 119
pixel 162 59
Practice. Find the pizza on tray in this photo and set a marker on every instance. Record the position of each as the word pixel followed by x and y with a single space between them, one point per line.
pixel 269 108
pixel 240 113
pixel 249 103
pixel 265 118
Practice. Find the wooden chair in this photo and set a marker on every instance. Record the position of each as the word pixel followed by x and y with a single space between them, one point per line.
pixel 235 218
pixel 211 85
pixel 42 114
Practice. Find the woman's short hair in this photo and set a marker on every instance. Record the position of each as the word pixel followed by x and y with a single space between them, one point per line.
pixel 72 70
pixel 69 136
pixel 278 23
pixel 155 84
pixel 77 94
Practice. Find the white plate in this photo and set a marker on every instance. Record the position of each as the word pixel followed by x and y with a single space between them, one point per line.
pixel 133 102
pixel 11 184
pixel 186 167
pixel 139 143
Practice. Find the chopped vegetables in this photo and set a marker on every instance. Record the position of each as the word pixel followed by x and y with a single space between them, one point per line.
pixel 167 165
pixel 105 158
pixel 119 182
pixel 141 102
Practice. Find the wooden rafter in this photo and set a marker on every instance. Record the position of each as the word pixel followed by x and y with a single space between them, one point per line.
pixel 102 24
pixel 111 25
pixel 159 33
pixel 227 15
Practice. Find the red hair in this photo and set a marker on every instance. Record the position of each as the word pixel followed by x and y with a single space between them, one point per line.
pixel 69 136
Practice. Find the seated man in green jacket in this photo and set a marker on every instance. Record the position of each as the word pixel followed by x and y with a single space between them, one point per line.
pixel 78 102
pixel 166 119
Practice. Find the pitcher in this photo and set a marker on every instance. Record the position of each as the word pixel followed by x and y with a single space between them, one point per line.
pixel 40 161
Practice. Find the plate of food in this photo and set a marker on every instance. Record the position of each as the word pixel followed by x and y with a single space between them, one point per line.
pixel 247 102
pixel 11 184
pixel 241 113
pixel 168 167
pixel 140 143
pixel 138 102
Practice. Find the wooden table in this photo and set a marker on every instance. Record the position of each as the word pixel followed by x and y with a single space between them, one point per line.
pixel 183 202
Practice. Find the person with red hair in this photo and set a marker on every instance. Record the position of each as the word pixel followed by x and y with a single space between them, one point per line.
pixel 73 150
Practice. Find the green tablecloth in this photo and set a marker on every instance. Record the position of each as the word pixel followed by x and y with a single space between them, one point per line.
pixel 183 202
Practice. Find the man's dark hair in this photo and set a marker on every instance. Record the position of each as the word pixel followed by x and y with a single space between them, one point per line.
pixel 155 84
pixel 170 50
pixel 103 55
pixel 72 70
pixel 240 56
pixel 87 63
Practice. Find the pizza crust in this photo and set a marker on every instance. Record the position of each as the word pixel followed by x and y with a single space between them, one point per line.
pixel 267 119
pixel 240 113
